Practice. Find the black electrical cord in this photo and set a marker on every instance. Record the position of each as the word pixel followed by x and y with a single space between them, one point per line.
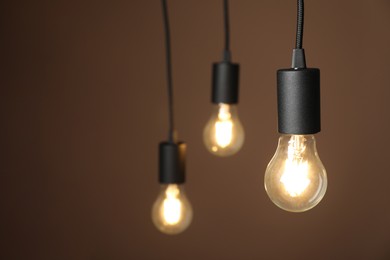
pixel 171 133
pixel 298 59
pixel 299 25
pixel 226 52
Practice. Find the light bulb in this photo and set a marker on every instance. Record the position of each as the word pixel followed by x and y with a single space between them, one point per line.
pixel 224 134
pixel 295 179
pixel 172 212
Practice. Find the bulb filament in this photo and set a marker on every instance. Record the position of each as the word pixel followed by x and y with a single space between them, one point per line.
pixel 172 208
pixel 224 127
pixel 295 177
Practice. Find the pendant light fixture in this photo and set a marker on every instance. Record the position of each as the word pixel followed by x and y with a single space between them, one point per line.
pixel 223 134
pixel 295 179
pixel 172 211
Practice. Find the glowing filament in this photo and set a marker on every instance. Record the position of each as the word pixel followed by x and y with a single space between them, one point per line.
pixel 223 133
pixel 172 208
pixel 295 177
pixel 224 127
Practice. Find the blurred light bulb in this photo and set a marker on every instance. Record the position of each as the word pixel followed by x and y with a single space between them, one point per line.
pixel 224 134
pixel 295 179
pixel 172 212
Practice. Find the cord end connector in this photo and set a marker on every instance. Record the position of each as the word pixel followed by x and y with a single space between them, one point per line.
pixel 226 56
pixel 298 59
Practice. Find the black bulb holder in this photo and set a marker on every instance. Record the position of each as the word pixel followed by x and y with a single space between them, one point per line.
pixel 298 92
pixel 172 162
pixel 225 83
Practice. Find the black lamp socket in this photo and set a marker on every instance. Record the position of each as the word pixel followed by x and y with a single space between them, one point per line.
pixel 299 109
pixel 172 162
pixel 225 83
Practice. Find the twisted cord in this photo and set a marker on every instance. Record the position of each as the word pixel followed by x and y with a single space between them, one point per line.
pixel 300 25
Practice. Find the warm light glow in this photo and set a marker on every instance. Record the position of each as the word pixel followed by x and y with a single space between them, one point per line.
pixel 224 127
pixel 172 212
pixel 294 178
pixel 223 134
pixel 171 209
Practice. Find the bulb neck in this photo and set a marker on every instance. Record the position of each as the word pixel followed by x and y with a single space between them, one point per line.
pixel 225 82
pixel 172 162
pixel 298 92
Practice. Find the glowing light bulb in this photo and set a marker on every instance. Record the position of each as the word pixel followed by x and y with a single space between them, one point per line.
pixel 295 179
pixel 172 212
pixel 224 134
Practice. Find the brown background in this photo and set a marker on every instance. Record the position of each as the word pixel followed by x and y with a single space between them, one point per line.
pixel 83 107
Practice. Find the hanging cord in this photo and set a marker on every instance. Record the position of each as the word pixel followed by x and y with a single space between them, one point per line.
pixel 226 51
pixel 171 134
pixel 300 25
pixel 298 59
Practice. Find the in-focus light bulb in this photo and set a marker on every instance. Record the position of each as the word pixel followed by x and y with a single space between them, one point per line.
pixel 224 134
pixel 172 212
pixel 295 179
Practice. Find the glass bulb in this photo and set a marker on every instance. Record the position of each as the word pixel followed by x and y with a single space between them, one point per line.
pixel 172 212
pixel 295 179
pixel 224 134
